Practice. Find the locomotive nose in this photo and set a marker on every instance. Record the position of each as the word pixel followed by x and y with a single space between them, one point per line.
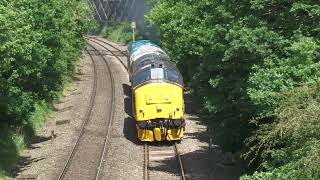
pixel 158 99
pixel 161 104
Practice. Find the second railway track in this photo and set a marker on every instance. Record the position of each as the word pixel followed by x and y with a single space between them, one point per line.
pixel 113 50
pixel 85 160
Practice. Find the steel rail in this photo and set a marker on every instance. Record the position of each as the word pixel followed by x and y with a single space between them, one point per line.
pixel 183 177
pixel 109 44
pixel 111 115
pixel 87 117
pixel 85 121
pixel 146 175
pixel 99 42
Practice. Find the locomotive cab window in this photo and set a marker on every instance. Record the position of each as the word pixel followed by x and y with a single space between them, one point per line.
pixel 157 73
pixel 147 74
pixel 141 77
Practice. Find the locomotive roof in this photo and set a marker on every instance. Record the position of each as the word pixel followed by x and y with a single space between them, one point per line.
pixel 150 63
pixel 133 47
pixel 155 59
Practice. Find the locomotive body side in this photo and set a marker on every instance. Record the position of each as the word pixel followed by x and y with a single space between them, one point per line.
pixel 157 89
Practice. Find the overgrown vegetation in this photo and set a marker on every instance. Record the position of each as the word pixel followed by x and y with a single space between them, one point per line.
pixel 240 57
pixel 120 33
pixel 41 42
pixel 290 146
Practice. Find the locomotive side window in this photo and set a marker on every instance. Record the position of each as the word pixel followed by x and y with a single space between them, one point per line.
pixel 174 76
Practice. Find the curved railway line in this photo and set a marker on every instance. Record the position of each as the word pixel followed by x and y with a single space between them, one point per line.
pixel 85 121
pixel 117 53
pixel 72 165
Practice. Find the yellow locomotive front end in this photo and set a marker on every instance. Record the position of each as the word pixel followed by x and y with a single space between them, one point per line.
pixel 159 110
pixel 157 89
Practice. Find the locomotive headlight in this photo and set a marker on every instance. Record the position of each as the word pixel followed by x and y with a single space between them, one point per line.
pixel 177 123
pixel 142 124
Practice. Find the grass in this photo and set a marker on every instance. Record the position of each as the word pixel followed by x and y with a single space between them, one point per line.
pixel 38 118
pixel 11 143
pixel 13 139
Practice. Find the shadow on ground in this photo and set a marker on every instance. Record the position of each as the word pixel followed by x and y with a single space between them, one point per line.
pixel 23 162
pixel 201 165
pixel 10 140
pixel 127 99
pixel 129 129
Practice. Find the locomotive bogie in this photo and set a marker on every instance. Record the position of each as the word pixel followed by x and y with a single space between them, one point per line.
pixel 160 134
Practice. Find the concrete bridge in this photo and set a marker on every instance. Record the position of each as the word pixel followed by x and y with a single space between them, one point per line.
pixel 115 11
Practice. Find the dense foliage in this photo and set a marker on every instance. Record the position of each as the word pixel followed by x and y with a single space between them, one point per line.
pixel 120 33
pixel 239 57
pixel 290 146
pixel 40 42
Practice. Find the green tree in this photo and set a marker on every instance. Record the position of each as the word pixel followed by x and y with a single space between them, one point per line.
pixel 40 44
pixel 240 56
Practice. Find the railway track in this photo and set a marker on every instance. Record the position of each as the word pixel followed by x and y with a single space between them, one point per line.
pixel 113 50
pixel 85 161
pixel 155 154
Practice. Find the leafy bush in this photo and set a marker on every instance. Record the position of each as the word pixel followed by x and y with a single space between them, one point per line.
pixel 41 41
pixel 290 146
pixel 41 44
